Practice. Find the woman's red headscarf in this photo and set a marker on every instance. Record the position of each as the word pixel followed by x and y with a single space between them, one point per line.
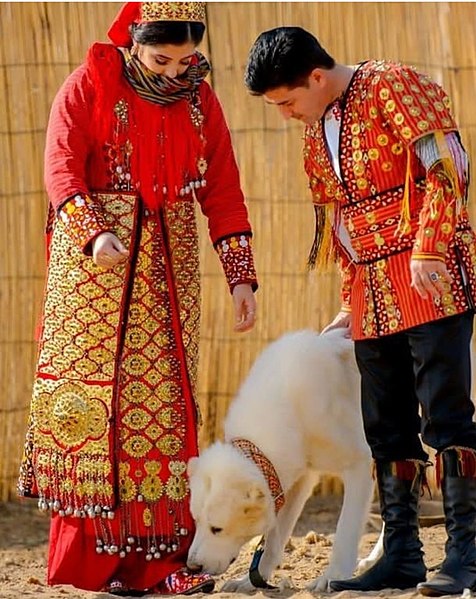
pixel 119 31
pixel 140 12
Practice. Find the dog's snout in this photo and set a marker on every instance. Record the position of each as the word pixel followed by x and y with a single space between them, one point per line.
pixel 195 568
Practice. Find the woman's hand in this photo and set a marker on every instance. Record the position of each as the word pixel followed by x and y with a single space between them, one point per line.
pixel 245 307
pixel 108 250
pixel 343 320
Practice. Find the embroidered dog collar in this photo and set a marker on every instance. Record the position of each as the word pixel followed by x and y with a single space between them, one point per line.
pixel 254 453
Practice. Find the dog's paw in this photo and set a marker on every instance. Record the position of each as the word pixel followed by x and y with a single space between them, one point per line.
pixel 238 585
pixel 319 585
pixel 364 564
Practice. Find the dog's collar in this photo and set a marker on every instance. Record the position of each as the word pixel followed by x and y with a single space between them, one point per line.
pixel 254 453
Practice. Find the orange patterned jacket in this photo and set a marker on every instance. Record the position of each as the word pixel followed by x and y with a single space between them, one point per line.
pixel 390 206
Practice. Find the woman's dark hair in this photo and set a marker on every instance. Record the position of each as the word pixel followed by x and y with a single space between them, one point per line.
pixel 167 32
pixel 284 56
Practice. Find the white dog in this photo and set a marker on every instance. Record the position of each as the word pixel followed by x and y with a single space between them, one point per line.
pixel 297 415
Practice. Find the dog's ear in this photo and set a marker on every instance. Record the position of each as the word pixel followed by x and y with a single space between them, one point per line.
pixel 253 511
pixel 255 493
pixel 192 466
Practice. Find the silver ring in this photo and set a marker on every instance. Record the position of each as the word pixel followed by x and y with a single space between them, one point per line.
pixel 434 276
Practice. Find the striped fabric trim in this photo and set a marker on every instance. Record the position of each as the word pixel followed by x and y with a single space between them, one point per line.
pixel 160 89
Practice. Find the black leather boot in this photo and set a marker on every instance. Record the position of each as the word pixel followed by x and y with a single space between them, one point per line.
pixel 401 565
pixel 458 570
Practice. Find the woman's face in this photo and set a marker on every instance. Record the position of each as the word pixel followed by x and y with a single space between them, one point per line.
pixel 166 59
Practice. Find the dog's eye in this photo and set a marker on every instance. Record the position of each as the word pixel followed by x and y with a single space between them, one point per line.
pixel 215 529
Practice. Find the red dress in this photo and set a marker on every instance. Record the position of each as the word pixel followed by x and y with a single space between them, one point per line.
pixel 113 415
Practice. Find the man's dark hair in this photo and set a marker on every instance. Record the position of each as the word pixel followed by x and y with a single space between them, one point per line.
pixel 284 56
pixel 167 32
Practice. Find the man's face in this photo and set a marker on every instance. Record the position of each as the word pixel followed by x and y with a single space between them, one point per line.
pixel 304 103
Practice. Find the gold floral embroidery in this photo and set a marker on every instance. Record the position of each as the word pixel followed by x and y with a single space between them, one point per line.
pixel 147 517
pixel 137 419
pixel 169 392
pixel 177 488
pixel 127 487
pixel 169 444
pixel 151 487
pixel 68 413
pixel 153 432
pixel 72 395
pixel 168 418
pixel 137 446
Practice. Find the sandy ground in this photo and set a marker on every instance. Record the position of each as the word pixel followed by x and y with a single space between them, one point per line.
pixel 23 545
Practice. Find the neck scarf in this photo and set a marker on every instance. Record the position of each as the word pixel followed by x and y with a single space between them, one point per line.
pixel 160 89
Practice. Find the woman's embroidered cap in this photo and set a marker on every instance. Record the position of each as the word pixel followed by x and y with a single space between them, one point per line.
pixel 172 11
pixel 150 12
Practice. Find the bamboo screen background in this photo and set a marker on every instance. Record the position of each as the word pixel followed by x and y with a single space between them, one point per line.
pixel 41 43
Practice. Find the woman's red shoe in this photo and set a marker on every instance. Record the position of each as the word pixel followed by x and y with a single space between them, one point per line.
pixel 184 582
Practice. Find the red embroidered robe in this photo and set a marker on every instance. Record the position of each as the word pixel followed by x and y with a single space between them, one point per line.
pixel 113 420
pixel 391 208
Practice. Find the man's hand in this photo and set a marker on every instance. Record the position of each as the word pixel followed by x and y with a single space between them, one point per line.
pixel 245 307
pixel 108 250
pixel 343 320
pixel 430 278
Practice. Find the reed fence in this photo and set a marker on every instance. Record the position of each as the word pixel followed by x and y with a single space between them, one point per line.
pixel 41 42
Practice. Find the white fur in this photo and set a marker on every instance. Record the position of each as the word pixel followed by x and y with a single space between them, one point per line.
pixel 300 404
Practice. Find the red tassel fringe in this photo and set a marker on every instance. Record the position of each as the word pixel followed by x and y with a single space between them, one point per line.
pixel 466 463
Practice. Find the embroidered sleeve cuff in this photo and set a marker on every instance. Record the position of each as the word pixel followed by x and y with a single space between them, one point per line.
pixel 236 257
pixel 83 221
pixel 420 256
pixel 346 297
pixel 347 271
